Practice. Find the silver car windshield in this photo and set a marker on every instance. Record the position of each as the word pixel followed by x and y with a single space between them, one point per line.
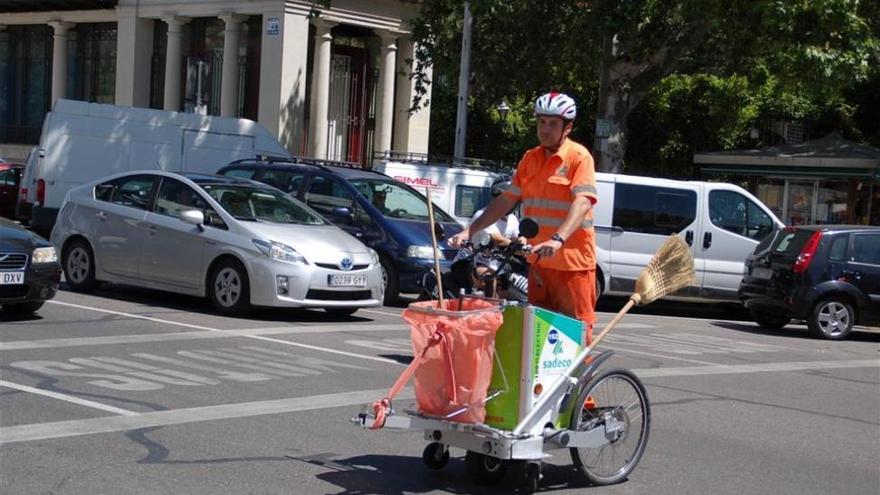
pixel 396 200
pixel 258 204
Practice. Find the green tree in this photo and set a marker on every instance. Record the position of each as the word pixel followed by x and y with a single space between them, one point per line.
pixel 611 55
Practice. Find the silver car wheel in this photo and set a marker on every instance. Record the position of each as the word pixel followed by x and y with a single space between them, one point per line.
pixel 78 265
pixel 833 318
pixel 227 287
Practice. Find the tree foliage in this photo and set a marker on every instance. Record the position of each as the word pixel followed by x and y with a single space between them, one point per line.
pixel 685 75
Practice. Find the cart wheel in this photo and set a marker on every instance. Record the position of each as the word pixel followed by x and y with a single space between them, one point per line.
pixel 617 402
pixel 435 455
pixel 484 470
pixel 533 477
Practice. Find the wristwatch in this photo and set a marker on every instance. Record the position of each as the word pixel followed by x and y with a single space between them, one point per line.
pixel 558 238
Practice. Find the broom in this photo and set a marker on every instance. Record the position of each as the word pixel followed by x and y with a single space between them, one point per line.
pixel 436 251
pixel 671 268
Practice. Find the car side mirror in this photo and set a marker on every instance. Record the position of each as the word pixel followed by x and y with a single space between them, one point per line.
pixel 193 217
pixel 439 230
pixel 343 213
pixel 528 228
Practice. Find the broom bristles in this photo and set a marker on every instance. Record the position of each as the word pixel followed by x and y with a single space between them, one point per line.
pixel 671 268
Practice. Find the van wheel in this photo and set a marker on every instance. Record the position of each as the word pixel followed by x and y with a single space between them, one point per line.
pixel 832 319
pixel 389 280
pixel 79 266
pixel 768 320
pixel 229 288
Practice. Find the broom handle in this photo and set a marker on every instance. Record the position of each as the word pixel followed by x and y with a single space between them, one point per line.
pixel 434 246
pixel 540 407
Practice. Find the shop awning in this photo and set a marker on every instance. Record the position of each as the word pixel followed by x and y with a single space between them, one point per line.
pixel 831 156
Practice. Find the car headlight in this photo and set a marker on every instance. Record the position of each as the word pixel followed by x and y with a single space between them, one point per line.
pixel 422 252
pixel 279 252
pixel 45 255
pixel 374 256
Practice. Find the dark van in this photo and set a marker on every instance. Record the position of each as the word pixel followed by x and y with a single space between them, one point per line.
pixel 386 215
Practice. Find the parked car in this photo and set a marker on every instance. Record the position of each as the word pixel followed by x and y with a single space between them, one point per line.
pixel 237 242
pixel 387 215
pixel 828 275
pixel 29 269
pixel 10 177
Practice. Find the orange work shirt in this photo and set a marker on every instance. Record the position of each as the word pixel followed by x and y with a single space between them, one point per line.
pixel 547 188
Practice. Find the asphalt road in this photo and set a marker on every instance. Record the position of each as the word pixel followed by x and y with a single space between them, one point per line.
pixel 133 391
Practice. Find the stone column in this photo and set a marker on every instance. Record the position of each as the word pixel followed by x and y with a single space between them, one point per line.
pixel 385 103
pixel 134 50
pixel 320 97
pixel 173 61
pixel 283 62
pixel 59 59
pixel 229 82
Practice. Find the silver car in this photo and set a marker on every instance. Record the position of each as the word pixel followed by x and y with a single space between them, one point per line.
pixel 237 242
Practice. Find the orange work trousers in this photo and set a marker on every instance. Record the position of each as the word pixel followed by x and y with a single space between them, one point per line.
pixel 572 293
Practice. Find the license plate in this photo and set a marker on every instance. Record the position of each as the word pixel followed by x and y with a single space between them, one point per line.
pixel 761 272
pixel 11 278
pixel 348 280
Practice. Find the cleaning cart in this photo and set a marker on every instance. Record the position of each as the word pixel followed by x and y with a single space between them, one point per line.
pixel 545 394
pixel 510 382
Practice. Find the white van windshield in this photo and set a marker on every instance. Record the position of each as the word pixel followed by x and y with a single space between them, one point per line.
pixel 259 204
pixel 396 200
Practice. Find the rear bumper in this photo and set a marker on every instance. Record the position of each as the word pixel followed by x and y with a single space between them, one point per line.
pixel 761 295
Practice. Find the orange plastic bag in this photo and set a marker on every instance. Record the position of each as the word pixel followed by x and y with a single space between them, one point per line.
pixel 455 347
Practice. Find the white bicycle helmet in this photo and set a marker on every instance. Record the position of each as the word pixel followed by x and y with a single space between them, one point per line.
pixel 556 104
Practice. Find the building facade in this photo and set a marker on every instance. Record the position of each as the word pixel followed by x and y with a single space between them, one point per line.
pixel 331 82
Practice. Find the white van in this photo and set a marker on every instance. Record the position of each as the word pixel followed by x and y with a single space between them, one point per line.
pixel 721 222
pixel 459 189
pixel 84 141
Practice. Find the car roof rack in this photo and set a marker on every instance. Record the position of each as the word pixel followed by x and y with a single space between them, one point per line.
pixel 444 160
pixel 299 160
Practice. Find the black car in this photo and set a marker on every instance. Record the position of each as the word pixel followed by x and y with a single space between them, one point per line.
pixel 29 269
pixel 386 215
pixel 828 275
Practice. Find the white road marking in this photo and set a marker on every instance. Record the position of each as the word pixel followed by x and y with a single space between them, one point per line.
pixel 65 398
pixel 206 334
pixel 379 312
pixel 62 429
pixel 267 339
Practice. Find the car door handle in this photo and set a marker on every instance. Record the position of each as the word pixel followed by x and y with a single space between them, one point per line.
pixel 102 216
pixel 707 240
pixel 689 237
pixel 857 275
pixel 152 229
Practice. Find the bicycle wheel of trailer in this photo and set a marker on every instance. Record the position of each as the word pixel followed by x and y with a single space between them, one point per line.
pixel 616 401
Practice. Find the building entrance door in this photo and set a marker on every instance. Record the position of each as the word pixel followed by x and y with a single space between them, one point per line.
pixel 346 129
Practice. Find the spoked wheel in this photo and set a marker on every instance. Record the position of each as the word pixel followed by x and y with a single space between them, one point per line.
pixel 617 402
pixel 484 470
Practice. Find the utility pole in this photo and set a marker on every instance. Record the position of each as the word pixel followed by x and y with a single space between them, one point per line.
pixel 463 80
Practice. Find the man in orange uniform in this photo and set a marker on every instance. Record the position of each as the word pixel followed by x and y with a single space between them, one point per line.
pixel 556 183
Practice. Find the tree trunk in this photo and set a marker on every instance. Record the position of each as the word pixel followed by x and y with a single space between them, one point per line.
pixel 609 145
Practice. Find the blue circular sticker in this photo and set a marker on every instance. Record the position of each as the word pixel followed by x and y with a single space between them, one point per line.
pixel 552 336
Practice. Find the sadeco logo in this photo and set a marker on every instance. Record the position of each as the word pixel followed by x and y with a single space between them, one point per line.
pixel 555 363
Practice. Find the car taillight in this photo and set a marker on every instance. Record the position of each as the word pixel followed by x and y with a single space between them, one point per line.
pixel 806 255
pixel 22 198
pixel 41 192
